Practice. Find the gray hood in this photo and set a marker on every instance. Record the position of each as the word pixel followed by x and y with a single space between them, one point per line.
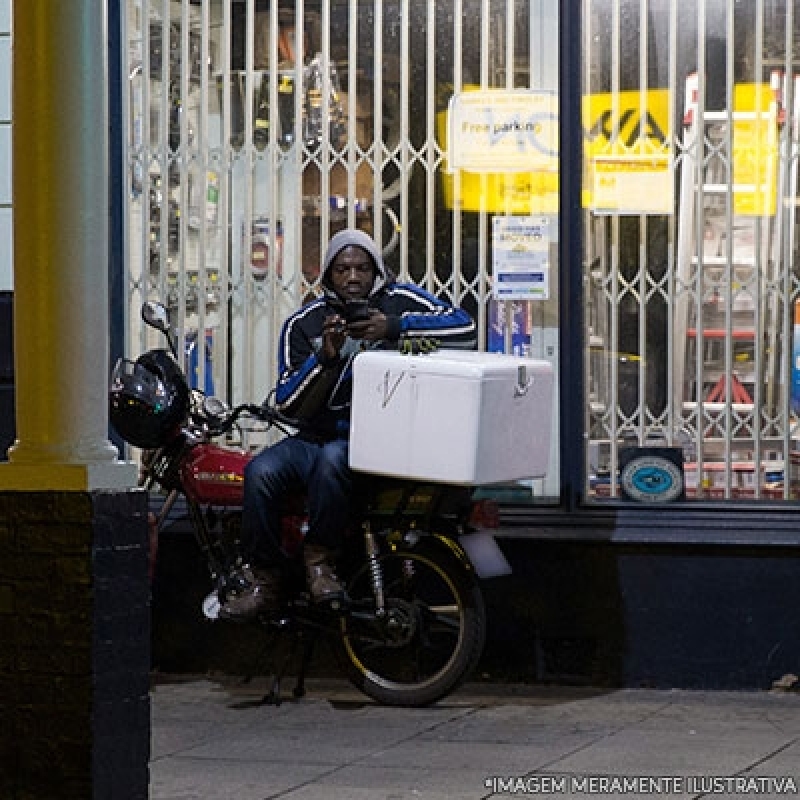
pixel 351 237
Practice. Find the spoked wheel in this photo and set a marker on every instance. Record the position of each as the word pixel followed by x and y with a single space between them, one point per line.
pixel 429 637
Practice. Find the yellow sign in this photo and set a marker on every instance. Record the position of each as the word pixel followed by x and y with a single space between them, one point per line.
pixel 504 192
pixel 628 152
pixel 755 150
pixel 628 158
pixel 474 187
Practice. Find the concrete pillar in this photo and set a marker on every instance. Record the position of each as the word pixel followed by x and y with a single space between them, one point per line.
pixel 74 591
pixel 60 199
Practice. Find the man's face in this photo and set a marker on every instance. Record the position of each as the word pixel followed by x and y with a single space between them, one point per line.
pixel 352 273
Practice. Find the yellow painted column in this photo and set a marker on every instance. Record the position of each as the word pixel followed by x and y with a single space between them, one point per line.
pixel 60 206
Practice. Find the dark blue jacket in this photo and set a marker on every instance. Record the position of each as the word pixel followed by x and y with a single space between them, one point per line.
pixel 318 393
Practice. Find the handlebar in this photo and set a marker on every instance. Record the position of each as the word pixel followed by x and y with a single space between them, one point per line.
pixel 263 413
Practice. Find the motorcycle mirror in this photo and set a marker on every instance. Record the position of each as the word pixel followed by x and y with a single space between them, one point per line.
pixel 156 315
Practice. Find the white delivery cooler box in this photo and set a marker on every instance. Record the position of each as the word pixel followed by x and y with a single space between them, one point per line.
pixel 451 416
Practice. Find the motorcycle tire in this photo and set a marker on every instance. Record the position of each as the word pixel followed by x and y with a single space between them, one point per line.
pixel 430 637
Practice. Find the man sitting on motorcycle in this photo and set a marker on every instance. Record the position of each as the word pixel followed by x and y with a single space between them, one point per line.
pixel 317 347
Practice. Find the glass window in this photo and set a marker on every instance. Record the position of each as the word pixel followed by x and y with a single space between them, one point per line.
pixel 690 196
pixel 257 130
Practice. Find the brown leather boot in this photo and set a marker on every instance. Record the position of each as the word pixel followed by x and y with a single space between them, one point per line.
pixel 261 591
pixel 322 581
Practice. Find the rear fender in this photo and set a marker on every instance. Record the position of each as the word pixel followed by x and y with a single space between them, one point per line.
pixel 477 552
pixel 434 545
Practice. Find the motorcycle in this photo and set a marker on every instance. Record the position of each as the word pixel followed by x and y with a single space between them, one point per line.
pixel 413 624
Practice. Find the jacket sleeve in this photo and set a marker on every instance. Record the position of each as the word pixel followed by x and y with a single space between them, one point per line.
pixel 304 381
pixel 412 311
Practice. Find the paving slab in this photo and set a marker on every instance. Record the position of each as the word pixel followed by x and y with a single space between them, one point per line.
pixel 183 778
pixel 214 738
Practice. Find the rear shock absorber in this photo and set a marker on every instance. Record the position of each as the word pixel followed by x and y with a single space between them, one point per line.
pixel 375 572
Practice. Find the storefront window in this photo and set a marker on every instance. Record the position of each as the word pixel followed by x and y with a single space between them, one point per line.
pixel 691 278
pixel 258 129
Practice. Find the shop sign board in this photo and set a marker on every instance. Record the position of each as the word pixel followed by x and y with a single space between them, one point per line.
pixel 631 186
pixel 520 258
pixel 503 192
pixel 628 151
pixel 504 145
pixel 502 152
pixel 518 172
pixel 503 130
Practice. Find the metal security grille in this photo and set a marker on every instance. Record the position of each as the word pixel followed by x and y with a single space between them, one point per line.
pixel 691 272
pixel 258 129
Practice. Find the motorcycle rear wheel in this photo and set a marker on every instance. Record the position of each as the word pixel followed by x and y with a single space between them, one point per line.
pixel 430 637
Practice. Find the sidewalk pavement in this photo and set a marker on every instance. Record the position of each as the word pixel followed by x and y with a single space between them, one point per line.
pixel 214 739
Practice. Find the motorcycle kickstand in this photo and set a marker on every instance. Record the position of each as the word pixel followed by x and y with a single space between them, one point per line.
pixel 308 650
pixel 273 697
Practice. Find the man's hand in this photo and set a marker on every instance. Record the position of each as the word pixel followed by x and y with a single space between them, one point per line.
pixel 373 329
pixel 334 333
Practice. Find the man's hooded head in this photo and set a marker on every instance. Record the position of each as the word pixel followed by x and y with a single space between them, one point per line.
pixel 355 239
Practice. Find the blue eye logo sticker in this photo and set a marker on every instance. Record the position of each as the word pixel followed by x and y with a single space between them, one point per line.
pixel 652 479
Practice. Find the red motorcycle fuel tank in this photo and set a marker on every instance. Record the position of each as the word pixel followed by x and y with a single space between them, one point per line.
pixel 214 474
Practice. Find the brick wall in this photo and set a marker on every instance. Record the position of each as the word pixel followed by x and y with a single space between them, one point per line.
pixel 74 646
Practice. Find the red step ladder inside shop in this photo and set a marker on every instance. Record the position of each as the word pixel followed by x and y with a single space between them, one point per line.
pixel 719 391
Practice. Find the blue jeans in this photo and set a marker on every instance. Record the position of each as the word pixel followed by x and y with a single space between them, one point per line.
pixel 289 466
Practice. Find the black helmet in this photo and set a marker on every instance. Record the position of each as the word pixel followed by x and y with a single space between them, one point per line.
pixel 149 399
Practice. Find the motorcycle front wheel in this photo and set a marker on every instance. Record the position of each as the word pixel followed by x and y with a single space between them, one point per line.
pixel 428 637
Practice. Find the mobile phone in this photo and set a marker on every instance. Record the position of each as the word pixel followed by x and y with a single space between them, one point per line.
pixel 356 311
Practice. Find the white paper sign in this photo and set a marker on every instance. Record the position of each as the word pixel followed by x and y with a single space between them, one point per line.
pixel 632 186
pixel 503 130
pixel 521 258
